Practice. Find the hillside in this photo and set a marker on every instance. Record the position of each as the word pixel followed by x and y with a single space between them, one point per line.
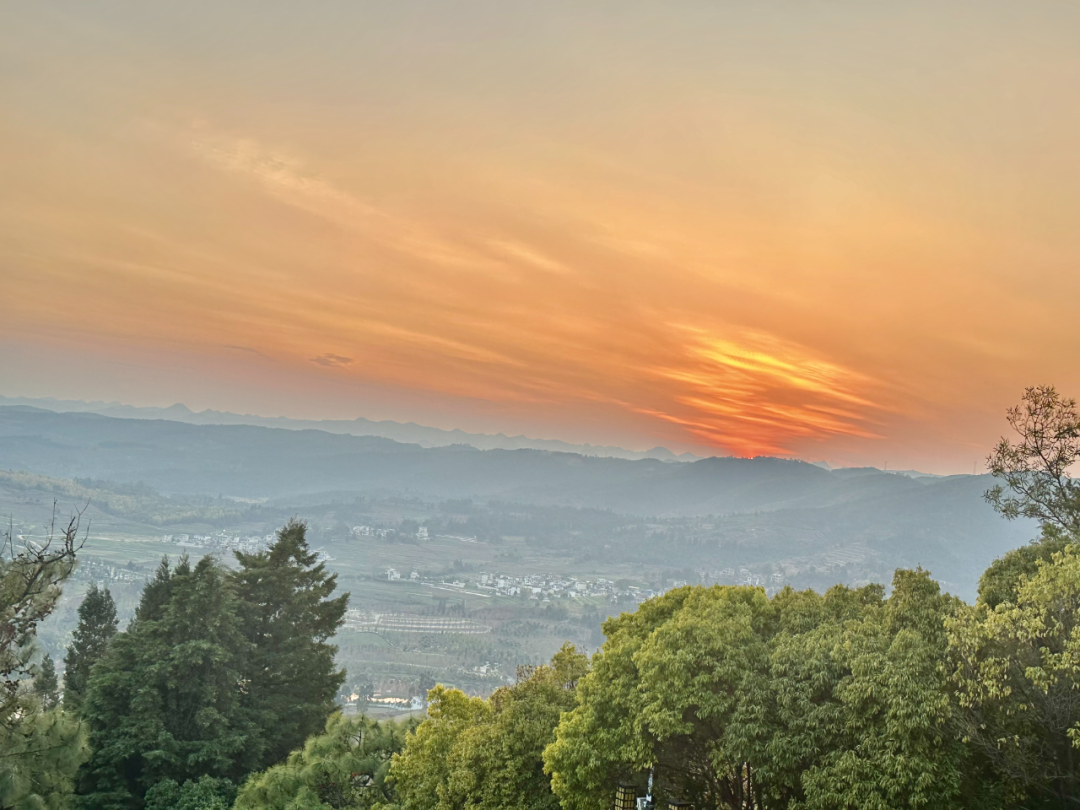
pixel 773 514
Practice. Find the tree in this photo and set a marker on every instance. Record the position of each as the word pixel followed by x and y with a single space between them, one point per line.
pixel 1016 669
pixel 97 625
pixel 487 755
pixel 45 684
pixel 673 690
pixel 889 740
pixel 1035 470
pixel 205 793
pixel 165 701
pixel 287 618
pixel 40 748
pixel 421 773
pixel 1002 580
pixel 344 767
pixel 731 700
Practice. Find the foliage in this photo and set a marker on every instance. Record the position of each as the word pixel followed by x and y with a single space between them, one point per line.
pixel 421 773
pixel 1017 673
pixel 206 793
pixel 165 700
pixel 344 767
pixel 1002 580
pixel 97 625
pixel 733 700
pixel 39 759
pixel 46 686
pixel 887 732
pixel 41 747
pixel 486 755
pixel 220 674
pixel 287 618
pixel 1035 470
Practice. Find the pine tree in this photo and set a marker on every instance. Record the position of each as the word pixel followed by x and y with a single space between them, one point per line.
pixel 46 686
pixel 345 766
pixel 288 618
pixel 97 624
pixel 164 701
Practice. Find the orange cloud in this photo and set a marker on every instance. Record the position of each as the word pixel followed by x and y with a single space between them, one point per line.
pixel 760 395
pixel 643 233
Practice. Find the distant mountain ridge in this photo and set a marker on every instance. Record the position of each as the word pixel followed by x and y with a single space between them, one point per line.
pixel 407 432
pixel 791 507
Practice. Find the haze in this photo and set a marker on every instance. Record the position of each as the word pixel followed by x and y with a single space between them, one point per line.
pixel 827 231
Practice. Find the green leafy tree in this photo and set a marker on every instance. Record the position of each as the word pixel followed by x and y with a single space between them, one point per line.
pixel 731 700
pixel 40 747
pixel 1036 483
pixel 1035 469
pixel 889 740
pixel 1017 673
pixel 421 773
pixel 1002 580
pixel 488 754
pixel 165 701
pixel 344 767
pixel 500 763
pixel 97 625
pixel 287 618
pixel 665 693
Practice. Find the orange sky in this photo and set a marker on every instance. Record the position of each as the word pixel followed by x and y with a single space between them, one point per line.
pixel 826 230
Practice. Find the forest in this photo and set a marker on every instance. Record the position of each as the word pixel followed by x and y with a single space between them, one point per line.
pixel 221 690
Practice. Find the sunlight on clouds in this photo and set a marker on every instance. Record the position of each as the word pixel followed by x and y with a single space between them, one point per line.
pixel 760 395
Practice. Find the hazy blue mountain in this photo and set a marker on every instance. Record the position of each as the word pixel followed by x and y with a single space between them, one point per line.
pixel 768 508
pixel 253 461
pixel 402 432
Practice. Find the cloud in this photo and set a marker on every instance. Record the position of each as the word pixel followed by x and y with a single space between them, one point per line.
pixel 756 394
pixel 332 360
pixel 246 349
pixel 528 255
pixel 287 179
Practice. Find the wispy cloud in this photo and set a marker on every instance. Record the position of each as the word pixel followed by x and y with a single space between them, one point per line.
pixel 756 394
pixel 332 360
pixel 246 349
pixel 288 180
pixel 522 253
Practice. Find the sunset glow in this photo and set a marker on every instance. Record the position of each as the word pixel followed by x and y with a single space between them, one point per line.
pixel 840 233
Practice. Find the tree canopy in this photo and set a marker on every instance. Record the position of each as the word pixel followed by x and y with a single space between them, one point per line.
pixel 488 754
pixel 344 767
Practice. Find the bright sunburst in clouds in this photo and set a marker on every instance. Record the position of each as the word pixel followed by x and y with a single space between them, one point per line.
pixel 762 396
pixel 834 233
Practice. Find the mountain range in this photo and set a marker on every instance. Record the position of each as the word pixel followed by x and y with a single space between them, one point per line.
pixel 408 432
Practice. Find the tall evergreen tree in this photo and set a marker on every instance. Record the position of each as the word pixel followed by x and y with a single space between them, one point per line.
pixel 97 624
pixel 45 684
pixel 164 701
pixel 288 618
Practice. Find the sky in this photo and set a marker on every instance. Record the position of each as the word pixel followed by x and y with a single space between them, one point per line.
pixel 828 230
